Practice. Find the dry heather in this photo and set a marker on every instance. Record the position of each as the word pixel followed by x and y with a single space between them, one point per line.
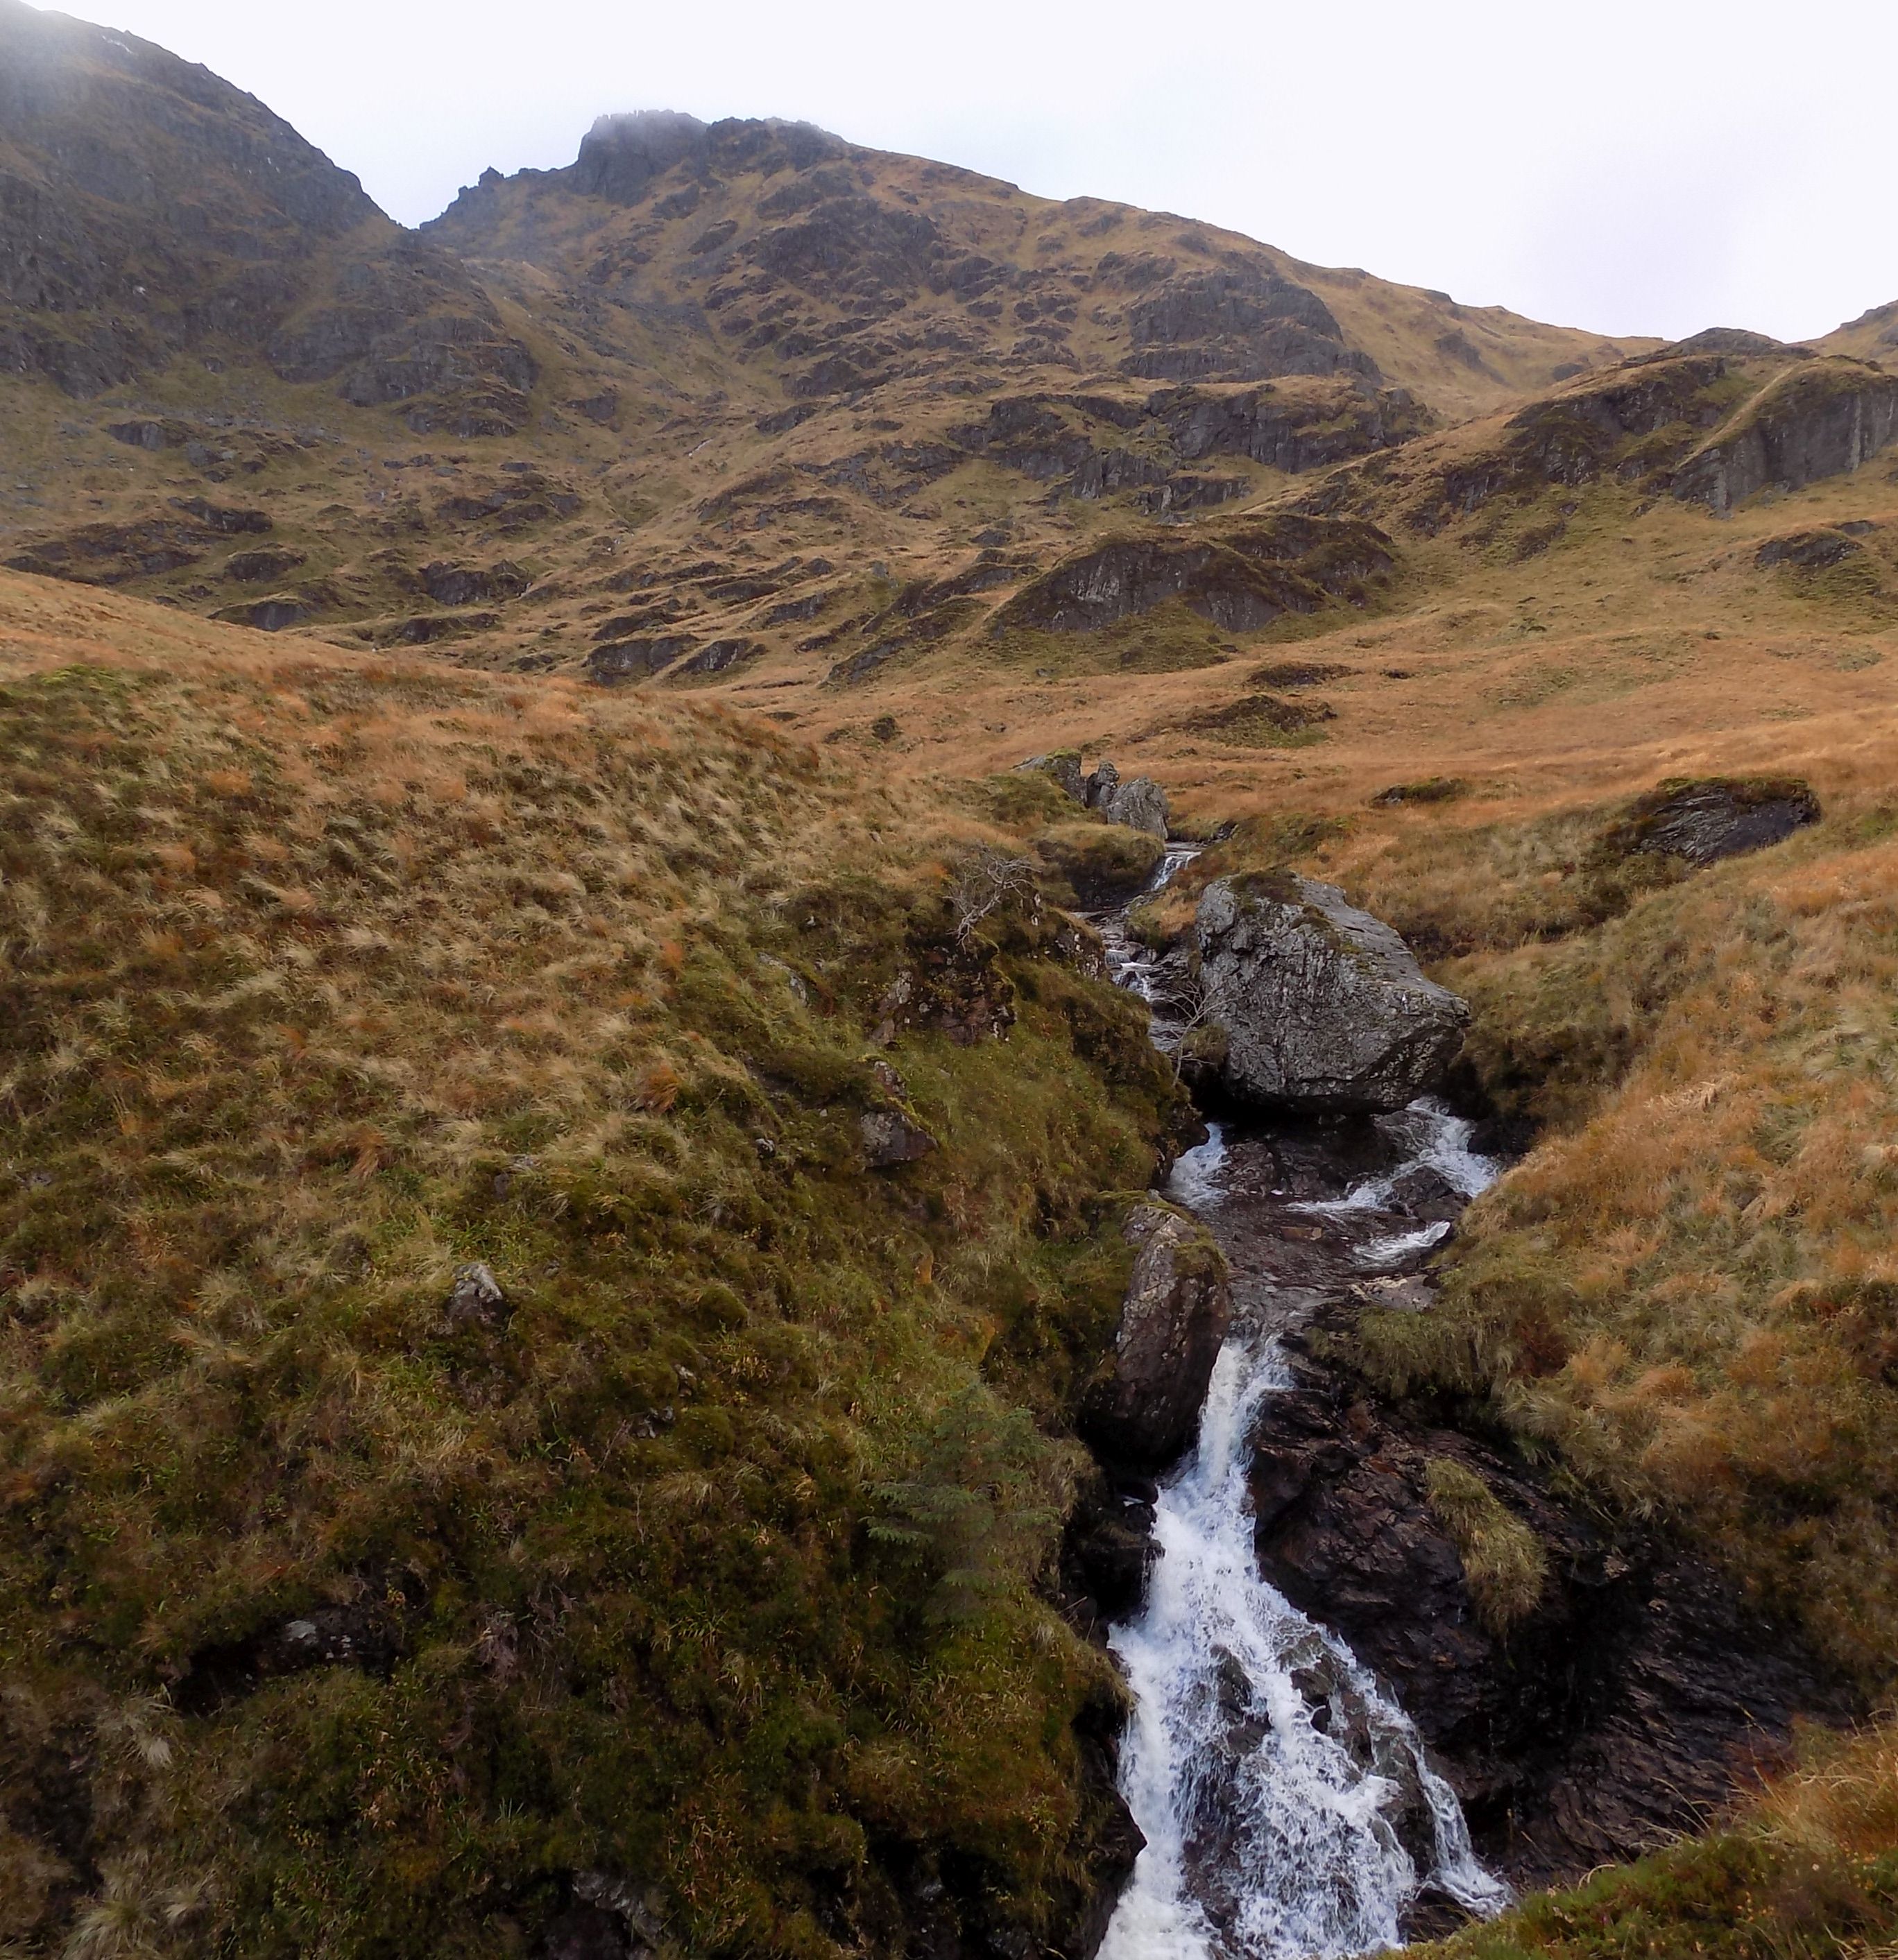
pixel 705 1556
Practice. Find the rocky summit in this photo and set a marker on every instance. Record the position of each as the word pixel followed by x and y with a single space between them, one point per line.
pixel 882 1065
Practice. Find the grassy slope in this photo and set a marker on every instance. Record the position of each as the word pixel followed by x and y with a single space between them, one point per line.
pixel 324 977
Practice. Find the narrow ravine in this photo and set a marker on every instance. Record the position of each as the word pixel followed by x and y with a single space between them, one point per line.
pixel 1287 1806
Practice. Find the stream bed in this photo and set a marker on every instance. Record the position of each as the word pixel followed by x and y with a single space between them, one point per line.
pixel 1288 1806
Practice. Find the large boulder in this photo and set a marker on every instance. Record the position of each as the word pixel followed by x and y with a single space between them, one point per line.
pixel 1140 803
pixel 1142 1406
pixel 1311 1005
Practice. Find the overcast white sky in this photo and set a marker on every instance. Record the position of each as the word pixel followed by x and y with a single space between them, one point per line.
pixel 1630 166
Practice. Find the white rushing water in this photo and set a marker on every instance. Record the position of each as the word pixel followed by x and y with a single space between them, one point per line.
pixel 1287 1808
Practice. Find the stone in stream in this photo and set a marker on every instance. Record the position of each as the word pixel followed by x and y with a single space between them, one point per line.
pixel 1142 1406
pixel 1312 1005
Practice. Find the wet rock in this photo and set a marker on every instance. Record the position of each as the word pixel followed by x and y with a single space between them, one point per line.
pixel 891 1138
pixel 1143 1405
pixel 1633 1698
pixel 1107 1552
pixel 1311 1005
pixel 1720 816
pixel 1425 1193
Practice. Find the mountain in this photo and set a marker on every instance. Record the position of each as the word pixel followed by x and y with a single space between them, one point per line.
pixel 749 362
pixel 151 214
pixel 569 1171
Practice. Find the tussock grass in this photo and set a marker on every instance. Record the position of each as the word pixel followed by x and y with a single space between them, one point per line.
pixel 1503 1560
pixel 712 1561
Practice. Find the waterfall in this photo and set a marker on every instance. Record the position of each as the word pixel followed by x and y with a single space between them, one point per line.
pixel 1289 1809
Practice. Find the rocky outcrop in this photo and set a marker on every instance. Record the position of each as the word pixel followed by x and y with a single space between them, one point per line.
pixel 1809 551
pixel 1236 323
pixel 451 584
pixel 1242 576
pixel 147 207
pixel 1720 816
pixel 1293 426
pixel 1139 803
pixel 1311 1005
pixel 1823 419
pixel 637 659
pixel 1142 1406
pixel 1619 1709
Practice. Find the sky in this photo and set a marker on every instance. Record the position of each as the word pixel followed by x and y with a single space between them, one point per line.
pixel 1648 168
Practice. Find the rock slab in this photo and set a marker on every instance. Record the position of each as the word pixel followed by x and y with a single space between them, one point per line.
pixel 1312 1005
pixel 1142 1407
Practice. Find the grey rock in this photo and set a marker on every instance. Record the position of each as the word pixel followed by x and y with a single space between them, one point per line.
pixel 1312 1005
pixel 1720 816
pixel 1102 782
pixel 1143 1405
pixel 636 659
pixel 1825 418
pixel 1140 804
pixel 890 1138
pixel 476 1295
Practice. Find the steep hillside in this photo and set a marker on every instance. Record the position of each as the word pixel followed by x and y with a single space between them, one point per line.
pixel 151 214
pixel 547 1248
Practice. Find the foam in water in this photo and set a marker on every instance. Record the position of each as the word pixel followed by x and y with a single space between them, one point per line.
pixel 1287 1808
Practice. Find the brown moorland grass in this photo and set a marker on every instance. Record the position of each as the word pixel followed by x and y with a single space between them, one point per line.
pixel 708 1558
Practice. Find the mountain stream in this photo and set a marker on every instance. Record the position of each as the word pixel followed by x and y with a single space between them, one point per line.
pixel 1288 1810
